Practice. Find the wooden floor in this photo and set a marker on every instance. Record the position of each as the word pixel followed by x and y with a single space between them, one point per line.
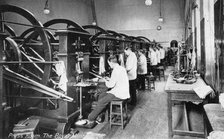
pixel 148 119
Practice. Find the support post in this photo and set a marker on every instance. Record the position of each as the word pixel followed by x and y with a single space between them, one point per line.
pixel 1 79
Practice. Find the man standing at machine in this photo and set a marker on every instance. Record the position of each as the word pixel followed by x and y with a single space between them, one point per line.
pixel 142 69
pixel 131 68
pixel 119 89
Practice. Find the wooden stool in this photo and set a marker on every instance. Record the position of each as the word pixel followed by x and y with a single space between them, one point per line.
pixel 150 80
pixel 117 115
pixel 25 128
pixel 161 72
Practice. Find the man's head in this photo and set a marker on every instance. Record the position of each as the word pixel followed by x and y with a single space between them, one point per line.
pixel 112 61
pixel 140 52
pixel 127 51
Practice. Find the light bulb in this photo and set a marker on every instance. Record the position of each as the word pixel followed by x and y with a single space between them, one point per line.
pixel 158 28
pixel 148 2
pixel 4 58
pixel 160 19
pixel 94 23
pixel 46 11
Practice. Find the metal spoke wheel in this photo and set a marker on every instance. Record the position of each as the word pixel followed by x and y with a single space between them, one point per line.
pixel 39 52
pixel 25 56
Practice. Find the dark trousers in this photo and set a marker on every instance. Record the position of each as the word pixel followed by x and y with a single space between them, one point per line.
pixel 149 68
pixel 141 81
pixel 154 70
pixel 132 87
pixel 103 100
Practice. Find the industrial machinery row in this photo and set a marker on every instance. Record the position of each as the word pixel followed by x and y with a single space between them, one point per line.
pixel 32 83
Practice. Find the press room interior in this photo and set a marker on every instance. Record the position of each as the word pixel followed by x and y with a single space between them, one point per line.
pixel 54 56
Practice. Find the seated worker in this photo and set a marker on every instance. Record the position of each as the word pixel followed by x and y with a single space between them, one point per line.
pixel 119 89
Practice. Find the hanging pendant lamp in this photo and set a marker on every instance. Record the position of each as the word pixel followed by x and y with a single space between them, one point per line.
pixel 160 13
pixel 46 8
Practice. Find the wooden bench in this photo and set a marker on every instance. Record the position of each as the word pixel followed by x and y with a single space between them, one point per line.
pixel 214 117
pixel 25 128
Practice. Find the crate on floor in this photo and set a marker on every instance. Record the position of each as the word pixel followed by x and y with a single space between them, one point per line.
pixel 25 128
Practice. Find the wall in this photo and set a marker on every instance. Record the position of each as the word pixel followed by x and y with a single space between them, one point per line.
pixel 133 17
pixel 198 35
pixel 78 11
pixel 203 19
pixel 208 7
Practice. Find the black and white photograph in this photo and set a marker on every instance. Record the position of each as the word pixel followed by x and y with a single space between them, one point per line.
pixel 111 69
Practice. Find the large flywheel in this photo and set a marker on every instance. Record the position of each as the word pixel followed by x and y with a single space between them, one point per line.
pixel 35 53
pixel 27 59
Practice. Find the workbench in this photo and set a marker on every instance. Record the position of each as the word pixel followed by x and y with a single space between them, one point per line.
pixel 82 85
pixel 178 92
